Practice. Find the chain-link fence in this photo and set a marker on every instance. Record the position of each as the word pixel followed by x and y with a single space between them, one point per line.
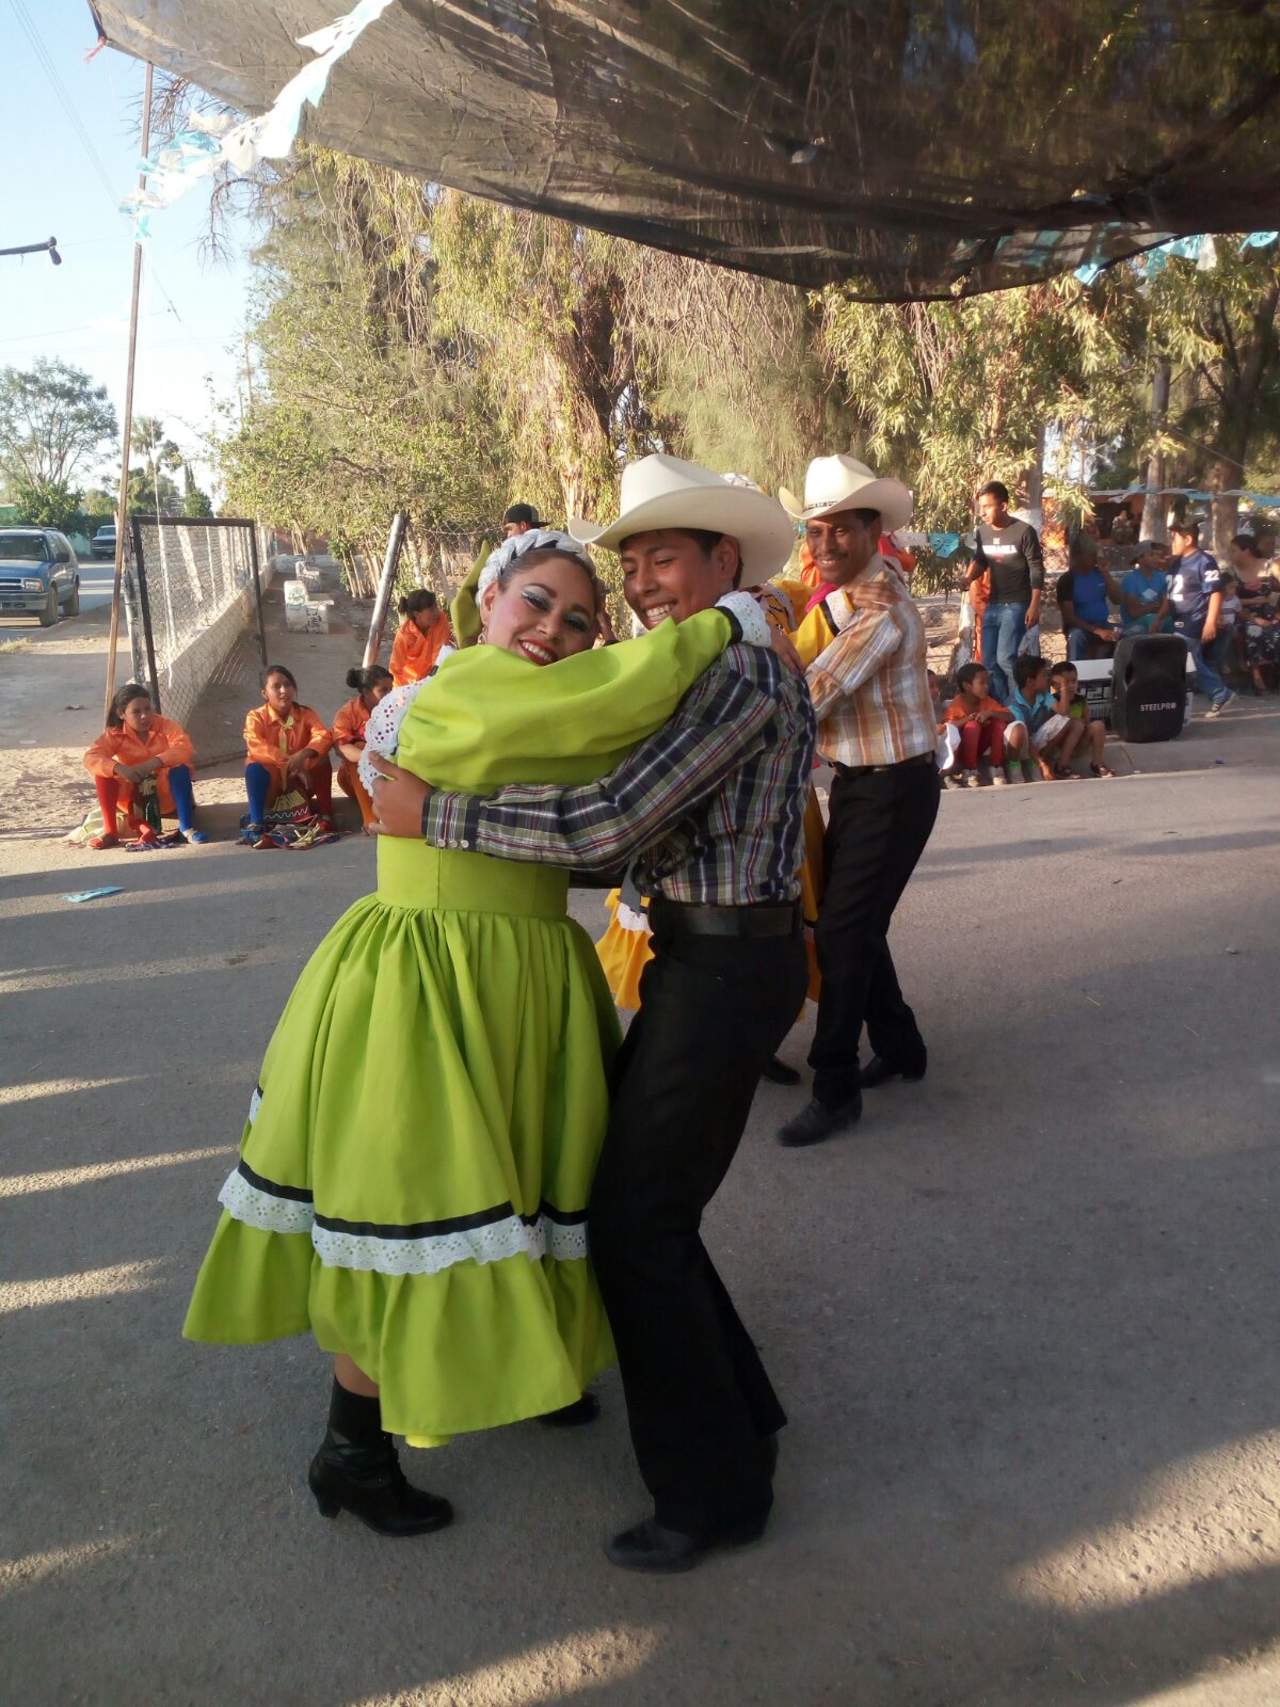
pixel 194 586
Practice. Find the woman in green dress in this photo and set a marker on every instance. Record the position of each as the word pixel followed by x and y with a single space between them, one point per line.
pixel 417 1160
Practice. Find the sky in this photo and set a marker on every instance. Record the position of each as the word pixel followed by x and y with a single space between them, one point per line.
pixel 193 309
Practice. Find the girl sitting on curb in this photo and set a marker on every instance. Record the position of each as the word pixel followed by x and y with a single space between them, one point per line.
pixel 287 747
pixel 370 685
pixel 141 766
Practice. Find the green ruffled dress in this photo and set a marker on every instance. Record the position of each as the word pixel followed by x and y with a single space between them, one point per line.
pixel 416 1165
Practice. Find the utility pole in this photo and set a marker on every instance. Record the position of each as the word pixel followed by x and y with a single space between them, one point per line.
pixel 122 504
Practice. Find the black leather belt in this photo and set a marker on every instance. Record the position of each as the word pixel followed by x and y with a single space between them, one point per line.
pixel 697 920
pixel 878 770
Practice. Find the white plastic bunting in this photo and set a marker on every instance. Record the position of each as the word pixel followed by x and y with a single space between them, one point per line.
pixel 214 140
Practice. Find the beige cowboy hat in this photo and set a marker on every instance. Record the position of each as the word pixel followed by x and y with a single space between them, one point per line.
pixel 664 492
pixel 841 482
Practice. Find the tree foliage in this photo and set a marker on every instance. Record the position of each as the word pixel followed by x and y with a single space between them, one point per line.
pixel 47 503
pixel 420 349
pixel 53 419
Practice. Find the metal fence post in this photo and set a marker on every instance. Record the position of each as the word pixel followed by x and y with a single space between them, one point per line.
pixel 145 602
pixel 257 593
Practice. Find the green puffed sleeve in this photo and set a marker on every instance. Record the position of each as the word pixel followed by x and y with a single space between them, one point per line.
pixel 488 717
pixel 464 614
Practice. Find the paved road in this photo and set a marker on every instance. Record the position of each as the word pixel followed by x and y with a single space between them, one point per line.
pixel 96 580
pixel 1025 1320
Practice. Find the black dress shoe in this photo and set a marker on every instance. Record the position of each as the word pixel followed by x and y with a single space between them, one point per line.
pixel 878 1072
pixel 583 1410
pixel 817 1122
pixel 368 1482
pixel 778 1073
pixel 649 1546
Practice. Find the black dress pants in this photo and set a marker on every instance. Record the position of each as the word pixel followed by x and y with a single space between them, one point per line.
pixel 700 1406
pixel 879 825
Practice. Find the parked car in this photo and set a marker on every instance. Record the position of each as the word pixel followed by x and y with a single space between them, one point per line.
pixel 103 543
pixel 39 575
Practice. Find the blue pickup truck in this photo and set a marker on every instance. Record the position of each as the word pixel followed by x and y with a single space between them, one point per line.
pixel 39 575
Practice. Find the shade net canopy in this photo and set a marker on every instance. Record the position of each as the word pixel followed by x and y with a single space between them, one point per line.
pixel 906 149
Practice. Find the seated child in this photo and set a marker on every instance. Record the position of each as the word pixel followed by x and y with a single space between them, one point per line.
pixel 948 733
pixel 1064 685
pixel 141 766
pixel 1229 651
pixel 1041 733
pixel 419 638
pixel 287 748
pixel 981 721
pixel 371 685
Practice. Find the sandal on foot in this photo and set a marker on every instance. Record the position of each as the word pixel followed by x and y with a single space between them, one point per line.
pixel 1101 770
pixel 98 843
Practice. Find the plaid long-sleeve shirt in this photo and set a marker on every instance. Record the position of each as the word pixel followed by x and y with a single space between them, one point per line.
pixel 712 803
pixel 870 684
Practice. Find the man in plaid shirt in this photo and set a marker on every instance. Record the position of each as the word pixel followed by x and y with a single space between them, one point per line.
pixel 709 810
pixel 870 690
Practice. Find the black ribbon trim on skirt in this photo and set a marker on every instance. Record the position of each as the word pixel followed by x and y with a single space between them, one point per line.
pixel 415 1229
pixel 294 1193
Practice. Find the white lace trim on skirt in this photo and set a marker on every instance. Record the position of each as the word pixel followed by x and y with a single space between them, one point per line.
pixel 347 1245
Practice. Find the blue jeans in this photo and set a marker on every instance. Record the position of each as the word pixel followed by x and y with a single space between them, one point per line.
pixel 1205 660
pixel 1003 628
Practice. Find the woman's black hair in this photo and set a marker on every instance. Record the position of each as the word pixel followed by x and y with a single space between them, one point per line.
pixel 422 598
pixel 122 699
pixel 365 680
pixel 278 670
pixel 1248 542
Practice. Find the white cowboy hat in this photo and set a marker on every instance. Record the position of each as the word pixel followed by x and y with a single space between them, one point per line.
pixel 840 482
pixel 663 492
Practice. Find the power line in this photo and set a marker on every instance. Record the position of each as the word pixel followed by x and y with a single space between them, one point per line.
pixel 47 65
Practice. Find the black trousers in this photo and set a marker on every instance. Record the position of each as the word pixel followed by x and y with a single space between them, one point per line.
pixel 700 1406
pixel 879 825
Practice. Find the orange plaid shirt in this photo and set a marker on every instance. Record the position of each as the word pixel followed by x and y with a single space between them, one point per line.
pixel 869 684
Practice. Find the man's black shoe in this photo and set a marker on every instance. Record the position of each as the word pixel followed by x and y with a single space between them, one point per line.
pixel 778 1073
pixel 817 1122
pixel 583 1410
pixel 878 1072
pixel 651 1547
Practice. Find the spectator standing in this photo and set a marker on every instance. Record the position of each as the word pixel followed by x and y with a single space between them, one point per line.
pixel 1195 592
pixel 1144 591
pixel 981 721
pixel 1009 552
pixel 520 518
pixel 1085 594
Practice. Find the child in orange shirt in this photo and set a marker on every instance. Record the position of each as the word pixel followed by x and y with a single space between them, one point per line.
pixel 349 726
pixel 287 747
pixel 419 638
pixel 141 756
pixel 981 721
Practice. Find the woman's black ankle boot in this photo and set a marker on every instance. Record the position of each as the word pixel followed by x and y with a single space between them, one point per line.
pixel 357 1469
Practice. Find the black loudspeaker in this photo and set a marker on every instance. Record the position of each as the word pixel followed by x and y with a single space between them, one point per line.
pixel 1149 687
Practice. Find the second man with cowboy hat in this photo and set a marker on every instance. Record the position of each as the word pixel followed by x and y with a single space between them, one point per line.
pixel 864 645
pixel 710 810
